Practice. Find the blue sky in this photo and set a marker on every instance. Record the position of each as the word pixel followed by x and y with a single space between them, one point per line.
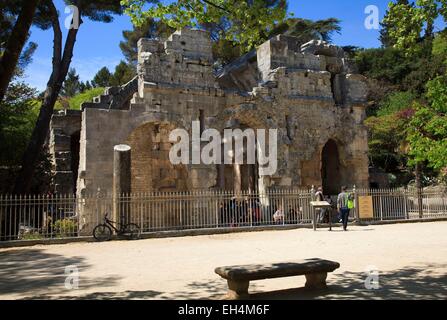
pixel 98 43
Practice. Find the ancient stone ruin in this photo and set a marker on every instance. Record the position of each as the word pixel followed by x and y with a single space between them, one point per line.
pixel 309 92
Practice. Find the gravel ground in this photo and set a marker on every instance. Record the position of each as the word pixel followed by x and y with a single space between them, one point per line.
pixel 411 260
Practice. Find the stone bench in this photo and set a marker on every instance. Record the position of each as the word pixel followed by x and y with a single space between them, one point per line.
pixel 239 277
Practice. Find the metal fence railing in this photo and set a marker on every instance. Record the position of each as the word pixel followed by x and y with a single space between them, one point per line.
pixel 38 217
pixel 57 217
pixel 404 204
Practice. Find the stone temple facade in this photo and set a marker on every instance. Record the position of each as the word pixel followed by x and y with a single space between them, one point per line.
pixel 309 92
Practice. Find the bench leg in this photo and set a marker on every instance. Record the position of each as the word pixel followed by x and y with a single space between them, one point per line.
pixel 238 290
pixel 316 280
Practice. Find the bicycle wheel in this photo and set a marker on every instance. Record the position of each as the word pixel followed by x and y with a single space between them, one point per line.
pixel 131 231
pixel 102 232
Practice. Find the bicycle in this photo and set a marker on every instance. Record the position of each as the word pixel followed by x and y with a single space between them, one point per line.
pixel 103 231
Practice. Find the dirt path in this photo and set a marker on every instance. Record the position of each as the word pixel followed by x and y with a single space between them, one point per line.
pixel 411 259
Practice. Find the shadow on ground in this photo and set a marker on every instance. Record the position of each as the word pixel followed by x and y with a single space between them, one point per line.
pixel 34 271
pixel 34 274
pixel 412 283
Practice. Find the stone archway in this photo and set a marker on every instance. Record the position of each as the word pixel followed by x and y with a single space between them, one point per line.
pixel 331 175
pixel 151 168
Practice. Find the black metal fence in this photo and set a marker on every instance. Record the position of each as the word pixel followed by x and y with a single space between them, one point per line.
pixel 65 217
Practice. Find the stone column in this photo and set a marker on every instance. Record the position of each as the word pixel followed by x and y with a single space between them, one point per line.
pixel 121 182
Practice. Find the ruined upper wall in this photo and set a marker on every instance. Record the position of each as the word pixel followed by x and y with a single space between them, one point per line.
pixel 316 69
pixel 285 51
pixel 184 59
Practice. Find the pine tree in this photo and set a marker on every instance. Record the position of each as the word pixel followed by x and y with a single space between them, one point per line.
pixel 16 40
pixel 149 29
pixel 72 85
pixel 124 72
pixel 102 78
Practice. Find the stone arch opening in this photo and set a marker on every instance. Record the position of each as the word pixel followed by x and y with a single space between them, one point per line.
pixel 151 168
pixel 331 168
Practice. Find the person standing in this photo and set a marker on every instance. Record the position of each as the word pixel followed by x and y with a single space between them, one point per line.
pixel 320 197
pixel 342 207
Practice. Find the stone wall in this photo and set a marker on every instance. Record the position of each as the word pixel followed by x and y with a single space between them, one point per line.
pixel 296 93
pixel 64 149
pixel 309 93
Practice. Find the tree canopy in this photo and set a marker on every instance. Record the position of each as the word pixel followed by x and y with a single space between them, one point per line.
pixel 247 23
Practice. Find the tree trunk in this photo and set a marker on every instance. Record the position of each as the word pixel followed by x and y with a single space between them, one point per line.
pixel 40 132
pixel 15 44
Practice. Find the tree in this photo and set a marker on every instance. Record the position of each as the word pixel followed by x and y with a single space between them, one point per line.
pixel 97 11
pixel 247 23
pixel 428 128
pixel 306 30
pixel 124 72
pixel 410 29
pixel 386 141
pixel 72 85
pixel 386 25
pixel 102 78
pixel 407 25
pixel 151 29
pixel 15 44
pixel 84 86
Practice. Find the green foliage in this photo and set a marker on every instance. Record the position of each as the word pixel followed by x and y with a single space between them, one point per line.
pixel 386 26
pixel 392 67
pixel 18 113
pixel 440 46
pixel 102 78
pixel 407 24
pixel 124 72
pixel 395 102
pixel 32 236
pixel 428 128
pixel 151 29
pixel 306 30
pixel 387 146
pixel 389 65
pixel 72 84
pixel 87 96
pixel 65 227
pixel 247 23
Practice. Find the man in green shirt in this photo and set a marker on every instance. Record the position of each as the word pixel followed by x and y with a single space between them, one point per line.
pixel 342 206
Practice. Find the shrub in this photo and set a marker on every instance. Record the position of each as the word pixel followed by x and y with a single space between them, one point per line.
pixel 65 228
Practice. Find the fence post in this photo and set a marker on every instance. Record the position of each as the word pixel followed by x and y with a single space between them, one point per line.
pixel 356 213
pixel 381 204
pixel 407 215
pixel 420 202
pixel 443 204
